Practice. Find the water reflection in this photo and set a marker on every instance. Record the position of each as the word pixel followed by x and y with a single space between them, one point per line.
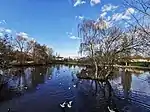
pixel 126 80
pixel 99 95
pixel 127 84
pixel 148 79
pixel 19 80
pixel 38 76
pixel 45 88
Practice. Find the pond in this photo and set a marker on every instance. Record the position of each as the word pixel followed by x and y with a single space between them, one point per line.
pixel 45 89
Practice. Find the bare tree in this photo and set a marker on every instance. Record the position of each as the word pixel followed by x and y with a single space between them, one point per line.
pixel 21 48
pixel 23 45
pixel 142 16
pixel 6 51
pixel 89 34
pixel 49 53
pixel 42 54
pixel 109 45
pixel 99 42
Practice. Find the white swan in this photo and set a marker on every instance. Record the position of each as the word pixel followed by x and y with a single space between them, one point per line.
pixel 74 86
pixel 8 109
pixel 26 87
pixel 69 104
pixel 63 105
pixel 110 110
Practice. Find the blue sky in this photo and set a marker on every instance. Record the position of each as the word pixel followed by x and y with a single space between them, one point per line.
pixel 54 22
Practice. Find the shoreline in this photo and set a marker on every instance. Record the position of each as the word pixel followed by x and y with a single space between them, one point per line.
pixel 77 64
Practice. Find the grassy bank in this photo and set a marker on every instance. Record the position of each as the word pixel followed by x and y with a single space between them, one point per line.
pixel 134 66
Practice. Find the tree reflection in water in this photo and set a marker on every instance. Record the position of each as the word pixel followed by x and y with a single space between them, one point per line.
pixel 126 80
pixel 148 79
pixel 38 76
pixel 100 90
pixel 19 80
pixel 121 94
pixel 57 69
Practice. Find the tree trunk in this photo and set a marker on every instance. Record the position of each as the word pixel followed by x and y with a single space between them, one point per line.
pixel 95 63
pixel 96 68
pixel 126 64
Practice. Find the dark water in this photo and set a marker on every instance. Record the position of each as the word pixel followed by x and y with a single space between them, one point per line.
pixel 43 89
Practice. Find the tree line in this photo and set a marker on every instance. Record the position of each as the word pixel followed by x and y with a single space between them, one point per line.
pixel 21 49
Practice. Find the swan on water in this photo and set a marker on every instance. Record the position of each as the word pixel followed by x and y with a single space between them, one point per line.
pixel 26 87
pixel 74 86
pixel 110 110
pixel 69 104
pixel 8 109
pixel 63 105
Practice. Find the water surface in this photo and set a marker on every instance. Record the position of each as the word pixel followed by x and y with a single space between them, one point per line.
pixel 43 89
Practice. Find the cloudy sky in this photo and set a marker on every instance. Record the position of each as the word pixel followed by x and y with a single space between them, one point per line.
pixel 54 22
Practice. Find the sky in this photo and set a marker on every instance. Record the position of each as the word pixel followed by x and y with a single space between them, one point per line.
pixel 54 22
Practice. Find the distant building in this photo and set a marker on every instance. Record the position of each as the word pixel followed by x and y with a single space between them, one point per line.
pixel 139 59
pixel 59 58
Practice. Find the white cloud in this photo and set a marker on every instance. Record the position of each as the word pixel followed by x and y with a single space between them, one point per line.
pixel 124 15
pixel 79 2
pixel 94 2
pixel 74 37
pixel 68 33
pixel 108 7
pixel 108 18
pixel 129 11
pixel 109 24
pixel 2 29
pixel 117 16
pixel 1 34
pixel 32 40
pixel 8 31
pixel 120 16
pixel 2 21
pixel 103 14
pixel 126 25
pixel 80 17
pixel 22 34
